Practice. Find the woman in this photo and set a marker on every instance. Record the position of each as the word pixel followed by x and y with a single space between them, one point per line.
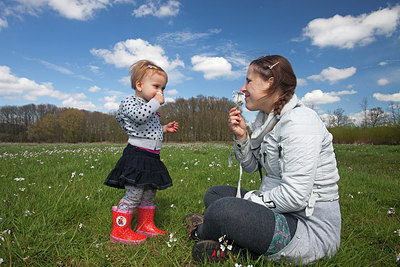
pixel 295 215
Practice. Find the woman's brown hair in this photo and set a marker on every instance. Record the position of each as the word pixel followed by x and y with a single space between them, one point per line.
pixel 284 78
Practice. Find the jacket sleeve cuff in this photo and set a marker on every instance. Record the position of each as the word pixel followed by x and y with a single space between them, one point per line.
pixel 242 147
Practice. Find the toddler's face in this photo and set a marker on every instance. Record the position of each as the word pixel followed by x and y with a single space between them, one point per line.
pixel 151 83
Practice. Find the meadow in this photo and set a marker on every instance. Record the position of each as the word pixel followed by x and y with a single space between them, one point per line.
pixel 55 209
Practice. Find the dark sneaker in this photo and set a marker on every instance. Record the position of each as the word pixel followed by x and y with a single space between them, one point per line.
pixel 207 251
pixel 193 220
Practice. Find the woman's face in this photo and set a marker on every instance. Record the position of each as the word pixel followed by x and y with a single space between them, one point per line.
pixel 256 92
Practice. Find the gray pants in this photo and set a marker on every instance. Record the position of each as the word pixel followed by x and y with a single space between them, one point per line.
pixel 248 224
pixel 137 195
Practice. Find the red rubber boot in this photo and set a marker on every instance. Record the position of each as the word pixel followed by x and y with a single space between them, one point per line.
pixel 122 231
pixel 145 225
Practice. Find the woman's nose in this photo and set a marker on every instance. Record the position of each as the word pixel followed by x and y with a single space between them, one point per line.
pixel 243 89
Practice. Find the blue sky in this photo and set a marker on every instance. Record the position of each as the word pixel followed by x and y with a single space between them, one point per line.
pixel 76 53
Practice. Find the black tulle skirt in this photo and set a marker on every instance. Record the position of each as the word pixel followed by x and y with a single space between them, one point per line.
pixel 139 168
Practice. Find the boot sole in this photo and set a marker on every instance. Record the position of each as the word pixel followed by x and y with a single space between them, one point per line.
pixel 150 234
pixel 126 241
pixel 207 251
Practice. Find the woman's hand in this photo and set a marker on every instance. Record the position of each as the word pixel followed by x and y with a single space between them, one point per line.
pixel 237 124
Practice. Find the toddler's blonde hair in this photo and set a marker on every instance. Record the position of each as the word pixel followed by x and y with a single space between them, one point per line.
pixel 139 69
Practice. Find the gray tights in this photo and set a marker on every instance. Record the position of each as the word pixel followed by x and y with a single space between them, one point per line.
pixel 136 196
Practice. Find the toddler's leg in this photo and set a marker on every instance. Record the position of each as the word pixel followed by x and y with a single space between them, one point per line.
pixel 146 211
pixel 149 194
pixel 132 198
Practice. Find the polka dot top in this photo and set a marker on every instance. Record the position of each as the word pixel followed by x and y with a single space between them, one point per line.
pixel 140 119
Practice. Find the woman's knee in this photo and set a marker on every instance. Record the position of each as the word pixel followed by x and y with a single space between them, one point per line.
pixel 221 210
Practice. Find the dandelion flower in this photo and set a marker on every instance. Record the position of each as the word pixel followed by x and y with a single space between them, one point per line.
pixel 238 98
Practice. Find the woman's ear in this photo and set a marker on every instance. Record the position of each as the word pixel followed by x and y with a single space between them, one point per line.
pixel 270 81
pixel 139 86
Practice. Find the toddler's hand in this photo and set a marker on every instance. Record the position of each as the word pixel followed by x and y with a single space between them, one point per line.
pixel 171 127
pixel 159 97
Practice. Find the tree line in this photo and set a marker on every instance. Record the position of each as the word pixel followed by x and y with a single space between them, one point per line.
pixel 200 118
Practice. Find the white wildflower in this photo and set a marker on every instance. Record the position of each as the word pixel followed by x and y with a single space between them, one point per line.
pixel 22 189
pixel 80 225
pixel 27 213
pixel 391 211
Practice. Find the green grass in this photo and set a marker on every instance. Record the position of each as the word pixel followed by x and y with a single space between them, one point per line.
pixel 57 218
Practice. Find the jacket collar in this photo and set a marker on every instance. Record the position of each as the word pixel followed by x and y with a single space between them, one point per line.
pixel 265 122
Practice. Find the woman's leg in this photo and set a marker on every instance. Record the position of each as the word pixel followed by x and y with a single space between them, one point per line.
pixel 247 224
pixel 219 191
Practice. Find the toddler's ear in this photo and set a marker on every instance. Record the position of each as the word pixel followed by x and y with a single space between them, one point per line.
pixel 139 86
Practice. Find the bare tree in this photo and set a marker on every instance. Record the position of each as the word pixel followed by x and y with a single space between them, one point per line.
pixel 364 107
pixel 394 110
pixel 340 119
pixel 376 116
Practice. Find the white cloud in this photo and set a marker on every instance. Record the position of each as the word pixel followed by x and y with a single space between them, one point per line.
pixel 155 8
pixel 94 69
pixel 184 37
pixel 72 102
pixel 333 74
pixel 382 63
pixel 71 9
pixel 125 80
pixel 387 97
pixel 110 103
pixel 349 31
pixel 169 100
pixel 301 82
pixel 94 89
pixel 171 92
pixel 12 86
pixel 317 97
pixel 3 23
pixel 382 82
pixel 213 67
pixel 124 54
